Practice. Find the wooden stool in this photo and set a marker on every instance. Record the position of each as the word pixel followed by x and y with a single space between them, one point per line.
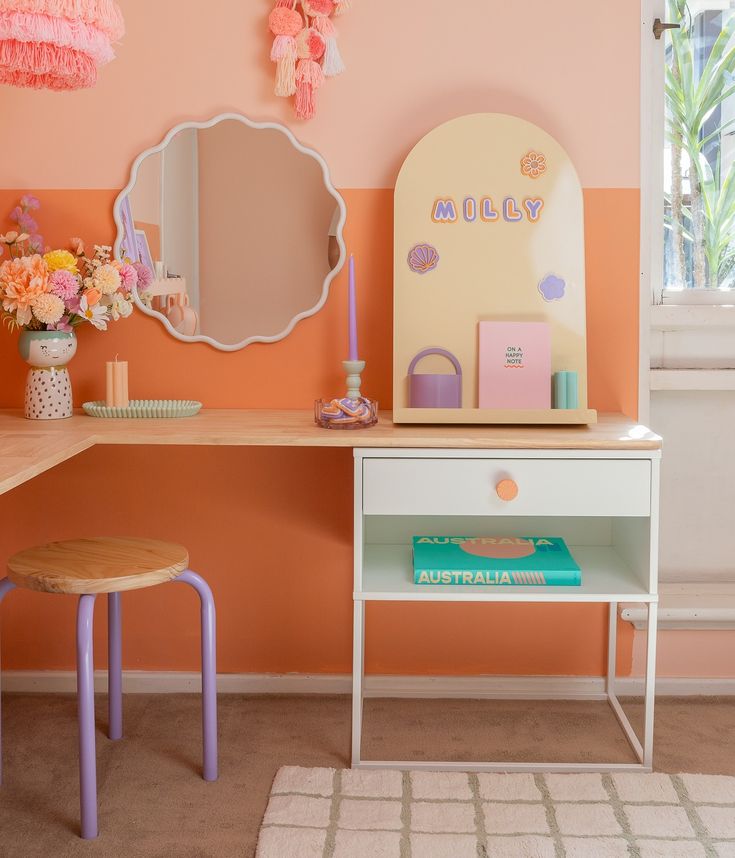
pixel 87 567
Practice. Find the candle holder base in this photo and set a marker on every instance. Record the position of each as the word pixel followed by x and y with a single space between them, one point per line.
pixel 346 413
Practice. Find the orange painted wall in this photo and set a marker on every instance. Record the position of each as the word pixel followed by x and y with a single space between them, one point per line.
pixel 273 620
pixel 282 605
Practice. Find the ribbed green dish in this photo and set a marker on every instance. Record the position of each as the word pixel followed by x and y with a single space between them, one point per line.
pixel 145 408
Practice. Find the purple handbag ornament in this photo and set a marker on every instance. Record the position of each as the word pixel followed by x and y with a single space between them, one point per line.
pixel 434 390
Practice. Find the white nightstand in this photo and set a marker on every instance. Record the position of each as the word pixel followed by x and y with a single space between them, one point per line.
pixel 602 499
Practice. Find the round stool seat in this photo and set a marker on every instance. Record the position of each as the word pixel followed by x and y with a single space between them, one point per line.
pixel 101 564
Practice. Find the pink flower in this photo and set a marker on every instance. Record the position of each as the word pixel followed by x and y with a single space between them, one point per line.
pixel 145 275
pixel 28 201
pixel 61 325
pixel 128 278
pixel 35 244
pixel 64 284
pixel 77 246
pixel 27 223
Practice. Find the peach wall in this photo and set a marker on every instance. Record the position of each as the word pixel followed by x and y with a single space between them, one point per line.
pixel 398 86
pixel 412 65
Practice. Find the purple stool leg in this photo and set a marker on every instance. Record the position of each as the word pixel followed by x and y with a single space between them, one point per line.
pixel 6 585
pixel 209 671
pixel 85 697
pixel 114 665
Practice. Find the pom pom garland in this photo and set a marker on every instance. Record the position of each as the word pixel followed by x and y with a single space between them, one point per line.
pixel 333 63
pixel 310 45
pixel 283 21
pixel 304 48
pixel 56 44
pixel 318 8
pixel 309 77
pixel 286 71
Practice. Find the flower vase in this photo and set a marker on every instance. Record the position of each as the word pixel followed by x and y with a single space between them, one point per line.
pixel 48 387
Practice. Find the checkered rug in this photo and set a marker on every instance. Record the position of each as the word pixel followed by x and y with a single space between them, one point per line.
pixel 332 813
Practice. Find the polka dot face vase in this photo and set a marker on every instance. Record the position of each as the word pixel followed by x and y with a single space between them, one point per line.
pixel 48 388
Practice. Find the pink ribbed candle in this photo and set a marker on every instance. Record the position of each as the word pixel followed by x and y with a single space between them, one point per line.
pixel 352 310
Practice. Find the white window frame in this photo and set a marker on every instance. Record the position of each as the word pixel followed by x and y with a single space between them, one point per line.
pixel 712 310
pixel 651 183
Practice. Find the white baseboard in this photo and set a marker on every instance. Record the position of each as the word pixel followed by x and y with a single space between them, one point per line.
pixel 474 687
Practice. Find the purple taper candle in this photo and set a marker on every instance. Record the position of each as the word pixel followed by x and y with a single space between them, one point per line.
pixel 352 312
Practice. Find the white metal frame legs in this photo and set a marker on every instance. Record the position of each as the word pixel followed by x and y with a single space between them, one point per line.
pixel 643 750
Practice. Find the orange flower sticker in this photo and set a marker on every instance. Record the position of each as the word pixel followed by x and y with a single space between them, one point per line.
pixel 533 165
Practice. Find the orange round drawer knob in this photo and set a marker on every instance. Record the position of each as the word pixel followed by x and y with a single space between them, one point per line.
pixel 507 490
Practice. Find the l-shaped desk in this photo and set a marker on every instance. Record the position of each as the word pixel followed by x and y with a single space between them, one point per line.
pixel 410 478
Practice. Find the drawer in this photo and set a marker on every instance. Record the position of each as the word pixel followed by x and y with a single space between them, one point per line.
pixel 579 487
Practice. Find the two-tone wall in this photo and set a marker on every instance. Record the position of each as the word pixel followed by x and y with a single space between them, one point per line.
pixel 271 529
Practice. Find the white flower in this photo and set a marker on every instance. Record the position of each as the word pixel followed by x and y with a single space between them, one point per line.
pixel 119 308
pixel 95 314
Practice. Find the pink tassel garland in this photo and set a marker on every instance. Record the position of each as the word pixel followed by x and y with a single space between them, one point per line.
pixel 333 64
pixel 309 77
pixel 286 71
pixel 304 48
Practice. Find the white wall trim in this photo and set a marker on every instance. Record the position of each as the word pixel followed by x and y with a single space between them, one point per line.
pixel 471 687
pixel 651 182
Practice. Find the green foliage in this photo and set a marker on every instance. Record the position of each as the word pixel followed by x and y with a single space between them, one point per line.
pixel 707 220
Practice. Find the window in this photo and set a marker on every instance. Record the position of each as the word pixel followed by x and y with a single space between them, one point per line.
pixel 699 150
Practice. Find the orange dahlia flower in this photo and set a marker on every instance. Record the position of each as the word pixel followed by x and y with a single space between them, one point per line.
pixel 22 280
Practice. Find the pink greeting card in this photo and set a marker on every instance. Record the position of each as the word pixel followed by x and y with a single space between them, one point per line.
pixel 515 365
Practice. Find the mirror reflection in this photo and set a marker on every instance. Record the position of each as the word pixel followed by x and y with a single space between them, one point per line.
pixel 241 228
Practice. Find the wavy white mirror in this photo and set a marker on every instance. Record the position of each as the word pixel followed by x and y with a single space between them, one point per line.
pixel 241 225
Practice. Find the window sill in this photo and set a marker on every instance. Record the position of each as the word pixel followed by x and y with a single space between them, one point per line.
pixel 678 317
pixel 692 379
pixel 698 297
pixel 695 605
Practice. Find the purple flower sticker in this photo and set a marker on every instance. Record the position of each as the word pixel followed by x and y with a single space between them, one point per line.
pixel 552 288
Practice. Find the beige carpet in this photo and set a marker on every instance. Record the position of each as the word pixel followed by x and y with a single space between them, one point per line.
pixel 153 803
pixel 328 813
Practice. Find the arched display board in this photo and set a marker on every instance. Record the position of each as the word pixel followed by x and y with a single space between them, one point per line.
pixel 489 228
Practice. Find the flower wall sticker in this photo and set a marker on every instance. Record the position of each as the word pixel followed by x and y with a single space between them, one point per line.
pixel 423 258
pixel 533 165
pixel 552 288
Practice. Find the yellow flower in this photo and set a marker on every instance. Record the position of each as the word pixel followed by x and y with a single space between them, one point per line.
pixel 58 260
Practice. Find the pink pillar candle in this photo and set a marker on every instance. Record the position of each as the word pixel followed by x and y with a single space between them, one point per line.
pixel 352 310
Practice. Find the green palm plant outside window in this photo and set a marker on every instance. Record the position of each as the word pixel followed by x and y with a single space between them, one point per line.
pixel 700 200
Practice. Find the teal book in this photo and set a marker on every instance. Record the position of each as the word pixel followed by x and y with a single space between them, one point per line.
pixel 535 561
